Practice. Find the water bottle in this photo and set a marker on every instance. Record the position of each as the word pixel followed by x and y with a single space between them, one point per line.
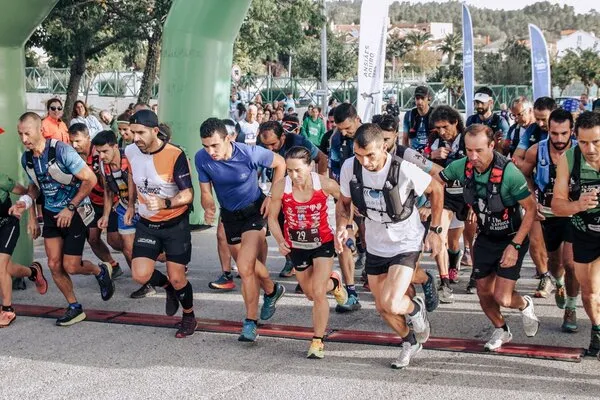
pixel 350 245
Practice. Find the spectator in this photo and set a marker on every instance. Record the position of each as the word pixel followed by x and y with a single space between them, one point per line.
pixel 392 107
pixel 110 121
pixel 313 128
pixel 52 126
pixel 289 102
pixel 80 114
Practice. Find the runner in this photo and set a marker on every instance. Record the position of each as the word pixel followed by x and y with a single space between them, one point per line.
pixel 9 234
pixel 384 188
pixel 55 169
pixel 580 168
pixel 522 112
pixel 484 107
pixel 496 190
pixel 232 169
pixel 416 121
pixel 126 138
pixel 82 143
pixel 160 177
pixel 307 237
pixel 539 167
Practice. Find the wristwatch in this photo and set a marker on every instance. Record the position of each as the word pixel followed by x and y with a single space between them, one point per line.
pixel 71 207
pixel 517 246
pixel 436 229
pixel 167 203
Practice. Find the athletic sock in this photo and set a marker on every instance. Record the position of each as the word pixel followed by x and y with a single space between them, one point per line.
pixel 75 305
pixel 453 258
pixel 416 309
pixel 596 328
pixel 185 296
pixel 273 292
pixel 318 338
pixel 410 338
pixel 33 274
pixel 189 314
pixel 252 320
pixel 158 279
pixel 227 274
pixel 351 289
pixel 546 274
pixel 8 308
pixel 504 327
pixel 114 264
pixel 560 282
pixel 445 280
pixel 571 302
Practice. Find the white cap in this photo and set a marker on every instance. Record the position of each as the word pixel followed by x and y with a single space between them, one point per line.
pixel 482 97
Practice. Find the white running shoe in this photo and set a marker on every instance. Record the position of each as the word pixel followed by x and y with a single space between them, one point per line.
pixel 408 352
pixel 420 322
pixel 531 323
pixel 499 337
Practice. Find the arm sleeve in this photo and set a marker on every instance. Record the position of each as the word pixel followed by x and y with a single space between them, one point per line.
pixel 417 158
pixel 454 171
pixel 261 157
pixel 181 172
pixel 202 175
pixel 69 158
pixel 345 176
pixel 419 179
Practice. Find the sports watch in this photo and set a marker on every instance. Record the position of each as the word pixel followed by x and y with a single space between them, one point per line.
pixel 167 203
pixel 436 229
pixel 71 207
pixel 517 246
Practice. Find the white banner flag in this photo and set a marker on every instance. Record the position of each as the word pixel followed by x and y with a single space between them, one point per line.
pixel 371 57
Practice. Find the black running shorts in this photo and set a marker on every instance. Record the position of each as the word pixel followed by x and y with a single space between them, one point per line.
pixel 73 237
pixel 113 219
pixel 487 253
pixel 173 237
pixel 556 231
pixel 586 247
pixel 244 220
pixel 303 259
pixel 375 265
pixel 9 234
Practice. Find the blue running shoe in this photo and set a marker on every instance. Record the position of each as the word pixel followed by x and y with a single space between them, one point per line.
pixel 352 304
pixel 270 303
pixel 429 290
pixel 249 332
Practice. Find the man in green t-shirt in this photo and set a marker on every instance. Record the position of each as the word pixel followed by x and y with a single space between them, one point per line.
pixel 496 190
pixel 313 128
pixel 581 168
pixel 9 234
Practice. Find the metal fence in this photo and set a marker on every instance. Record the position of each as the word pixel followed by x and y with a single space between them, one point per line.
pixel 305 90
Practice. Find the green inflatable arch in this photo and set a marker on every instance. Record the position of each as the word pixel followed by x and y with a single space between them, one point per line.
pixel 196 59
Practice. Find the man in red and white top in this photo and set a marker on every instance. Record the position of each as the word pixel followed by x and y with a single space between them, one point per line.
pixel 162 182
pixel 307 237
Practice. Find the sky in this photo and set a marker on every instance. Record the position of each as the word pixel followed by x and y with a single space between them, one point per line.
pixel 581 6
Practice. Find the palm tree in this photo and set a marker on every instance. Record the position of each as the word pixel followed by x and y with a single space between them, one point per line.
pixel 418 38
pixel 397 47
pixel 451 45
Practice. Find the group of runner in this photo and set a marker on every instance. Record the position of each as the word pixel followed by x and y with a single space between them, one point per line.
pixel 503 189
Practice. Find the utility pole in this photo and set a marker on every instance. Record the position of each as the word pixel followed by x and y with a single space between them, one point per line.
pixel 324 62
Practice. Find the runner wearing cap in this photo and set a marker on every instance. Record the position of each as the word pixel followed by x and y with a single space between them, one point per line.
pixel 55 169
pixel 231 168
pixel 416 121
pixel 163 185
pixel 484 108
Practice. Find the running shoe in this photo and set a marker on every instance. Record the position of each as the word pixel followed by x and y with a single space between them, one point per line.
pixel 569 321
pixel 466 258
pixel 352 304
pixel 107 286
pixel 298 289
pixel 117 271
pixel 187 327
pixel 340 293
pixel 544 287
pixel 432 300
pixel 316 350
pixel 249 332
pixel 224 282
pixel 407 353
pixel 499 338
pixel 172 302
pixel 288 269
pixel 560 297
pixel 453 275
pixel 144 291
pixel 420 322
pixel 445 294
pixel 18 284
pixel 72 316
pixel 360 261
pixel 41 284
pixel 594 349
pixel 6 318
pixel 270 303
pixel 531 323
pixel 472 286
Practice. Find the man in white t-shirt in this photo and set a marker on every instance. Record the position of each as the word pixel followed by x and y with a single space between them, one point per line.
pixel 247 128
pixel 394 236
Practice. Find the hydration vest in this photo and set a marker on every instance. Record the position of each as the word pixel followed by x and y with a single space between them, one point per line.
pixel 52 170
pixel 514 142
pixel 536 135
pixel 493 217
pixel 414 122
pixel 585 219
pixel 453 191
pixel 117 181
pixel 395 209
pixel 545 173
pixel 493 123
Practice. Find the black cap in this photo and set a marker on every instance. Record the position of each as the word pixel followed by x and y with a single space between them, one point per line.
pixel 422 91
pixel 145 117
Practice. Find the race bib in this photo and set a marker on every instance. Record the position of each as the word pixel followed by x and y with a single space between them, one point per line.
pixel 305 239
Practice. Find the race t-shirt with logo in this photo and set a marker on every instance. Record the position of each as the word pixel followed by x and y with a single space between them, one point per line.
pixel 341 149
pixel 589 179
pixel 305 225
pixel 421 136
pixel 163 173
pixel 235 180
pixel 532 135
pixel 56 195
pixel 384 238
pixel 247 132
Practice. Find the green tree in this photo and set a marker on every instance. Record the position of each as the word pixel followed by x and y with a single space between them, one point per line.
pixel 451 45
pixel 511 66
pixel 396 48
pixel 562 74
pixel 342 60
pixel 585 65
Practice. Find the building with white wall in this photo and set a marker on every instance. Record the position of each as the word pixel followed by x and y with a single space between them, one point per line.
pixel 574 40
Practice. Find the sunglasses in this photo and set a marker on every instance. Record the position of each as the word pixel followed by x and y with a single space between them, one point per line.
pixel 56 108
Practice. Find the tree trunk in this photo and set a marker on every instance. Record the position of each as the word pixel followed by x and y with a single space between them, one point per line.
pixel 451 58
pixel 149 76
pixel 76 73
